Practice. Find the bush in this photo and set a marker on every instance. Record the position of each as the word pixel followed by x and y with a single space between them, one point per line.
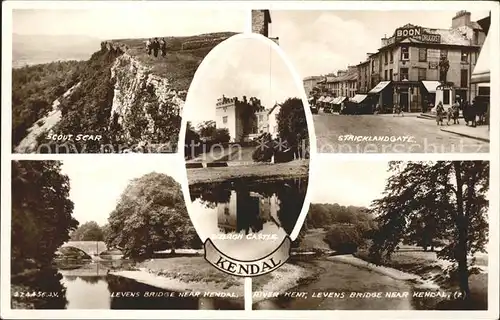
pixel 344 239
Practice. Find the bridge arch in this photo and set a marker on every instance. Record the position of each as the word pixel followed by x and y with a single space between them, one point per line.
pixel 90 248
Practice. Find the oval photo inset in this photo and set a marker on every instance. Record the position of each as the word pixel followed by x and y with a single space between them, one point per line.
pixel 246 151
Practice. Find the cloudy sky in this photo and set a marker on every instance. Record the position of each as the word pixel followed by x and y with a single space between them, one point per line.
pixel 238 67
pixel 130 21
pixel 319 42
pixel 96 188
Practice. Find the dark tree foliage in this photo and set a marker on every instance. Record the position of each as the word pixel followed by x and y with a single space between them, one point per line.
pixel 41 212
pixel 35 88
pixel 449 196
pixel 89 231
pixel 150 216
pixel 292 124
pixel 87 110
pixel 325 214
pixel 344 239
pixel 251 106
pixel 192 142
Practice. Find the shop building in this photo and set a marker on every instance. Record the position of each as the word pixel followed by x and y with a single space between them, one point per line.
pixel 411 64
pixel 310 83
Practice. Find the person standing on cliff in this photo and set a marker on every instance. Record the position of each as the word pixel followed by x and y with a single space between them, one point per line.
pixel 156 47
pixel 148 46
pixel 163 47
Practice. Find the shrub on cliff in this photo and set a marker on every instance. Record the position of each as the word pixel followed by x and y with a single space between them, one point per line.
pixel 34 89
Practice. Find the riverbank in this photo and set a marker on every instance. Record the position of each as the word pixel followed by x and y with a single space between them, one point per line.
pixel 431 273
pixel 184 274
pixel 256 172
pixel 283 279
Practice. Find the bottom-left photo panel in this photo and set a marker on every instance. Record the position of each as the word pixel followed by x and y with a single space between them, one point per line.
pixel 109 234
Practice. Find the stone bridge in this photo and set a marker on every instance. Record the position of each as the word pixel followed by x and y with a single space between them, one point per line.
pixel 92 248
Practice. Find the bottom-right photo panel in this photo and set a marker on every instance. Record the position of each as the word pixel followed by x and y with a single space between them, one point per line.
pixel 384 235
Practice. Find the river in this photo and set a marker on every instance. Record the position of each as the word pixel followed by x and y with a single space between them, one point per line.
pixel 89 286
pixel 337 277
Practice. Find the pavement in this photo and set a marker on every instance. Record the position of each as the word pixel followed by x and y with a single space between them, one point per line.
pixel 395 134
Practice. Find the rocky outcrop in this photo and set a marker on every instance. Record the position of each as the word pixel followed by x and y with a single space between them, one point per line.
pixel 144 104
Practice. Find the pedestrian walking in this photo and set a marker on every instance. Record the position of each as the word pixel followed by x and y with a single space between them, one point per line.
pixel 439 113
pixel 453 112
pixel 163 47
pixel 397 110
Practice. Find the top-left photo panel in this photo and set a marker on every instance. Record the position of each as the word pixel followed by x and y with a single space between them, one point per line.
pixel 108 79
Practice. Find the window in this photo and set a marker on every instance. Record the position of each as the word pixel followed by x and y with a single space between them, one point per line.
pixel 373 66
pixel 422 74
pixel 390 74
pixel 464 78
pixel 391 57
pixel 385 75
pixel 443 53
pixel 403 74
pixel 476 37
pixel 446 96
pixel 465 57
pixel 224 119
pixel 422 54
pixel 261 118
pixel 385 57
pixel 405 53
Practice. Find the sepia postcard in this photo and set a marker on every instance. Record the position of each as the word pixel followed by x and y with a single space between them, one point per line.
pixel 250 160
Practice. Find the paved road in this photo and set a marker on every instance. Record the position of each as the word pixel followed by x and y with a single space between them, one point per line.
pixel 415 135
pixel 341 277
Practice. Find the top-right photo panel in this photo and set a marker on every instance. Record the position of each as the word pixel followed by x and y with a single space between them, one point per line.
pixel 390 81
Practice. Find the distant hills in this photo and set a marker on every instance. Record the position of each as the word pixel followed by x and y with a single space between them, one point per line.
pixel 37 49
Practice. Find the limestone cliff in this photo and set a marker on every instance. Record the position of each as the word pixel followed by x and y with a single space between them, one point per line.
pixel 144 104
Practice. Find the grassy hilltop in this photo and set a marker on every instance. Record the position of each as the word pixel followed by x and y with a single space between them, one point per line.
pixel 184 55
pixel 35 87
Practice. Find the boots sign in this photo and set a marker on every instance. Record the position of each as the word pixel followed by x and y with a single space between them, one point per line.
pixel 416 33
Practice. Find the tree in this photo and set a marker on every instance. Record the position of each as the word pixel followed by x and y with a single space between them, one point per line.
pixel 453 193
pixel 191 141
pixel 41 212
pixel 89 231
pixel 221 135
pixel 150 216
pixel 207 129
pixel 292 124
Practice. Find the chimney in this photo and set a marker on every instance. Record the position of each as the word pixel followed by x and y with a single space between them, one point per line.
pixel 260 22
pixel 462 18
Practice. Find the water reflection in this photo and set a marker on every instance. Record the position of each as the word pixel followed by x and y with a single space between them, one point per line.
pixel 90 286
pixel 242 208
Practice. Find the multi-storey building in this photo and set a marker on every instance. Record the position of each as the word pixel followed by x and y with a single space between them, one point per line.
pixel 345 84
pixel 406 68
pixel 310 83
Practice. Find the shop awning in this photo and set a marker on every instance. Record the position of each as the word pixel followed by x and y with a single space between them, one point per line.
pixel 431 86
pixel 327 100
pixel 483 85
pixel 339 100
pixel 358 98
pixel 482 69
pixel 380 86
pixel 321 99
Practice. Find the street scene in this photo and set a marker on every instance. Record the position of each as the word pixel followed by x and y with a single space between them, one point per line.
pixel 79 240
pixel 387 243
pixel 418 83
pixel 246 148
